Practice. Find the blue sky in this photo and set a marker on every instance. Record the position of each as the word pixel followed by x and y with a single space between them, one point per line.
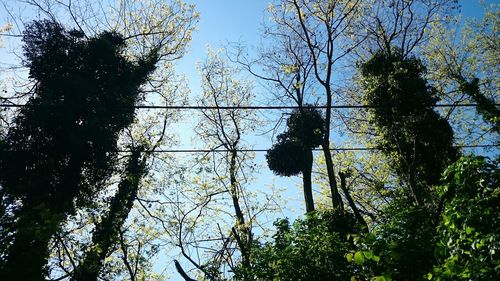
pixel 221 21
pixel 224 21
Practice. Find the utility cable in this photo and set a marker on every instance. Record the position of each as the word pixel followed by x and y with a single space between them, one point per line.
pixel 250 107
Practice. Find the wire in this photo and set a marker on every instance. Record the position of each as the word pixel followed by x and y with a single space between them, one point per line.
pixel 241 150
pixel 250 107
pixel 265 150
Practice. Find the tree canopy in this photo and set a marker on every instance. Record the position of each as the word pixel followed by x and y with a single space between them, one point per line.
pixel 63 144
pixel 357 140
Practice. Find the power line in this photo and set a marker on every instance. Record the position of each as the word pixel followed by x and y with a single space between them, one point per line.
pixel 192 150
pixel 242 150
pixel 250 107
pixel 265 150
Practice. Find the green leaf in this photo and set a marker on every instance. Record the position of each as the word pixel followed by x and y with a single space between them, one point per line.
pixel 368 254
pixel 349 257
pixel 359 258
pixel 395 255
pixel 468 230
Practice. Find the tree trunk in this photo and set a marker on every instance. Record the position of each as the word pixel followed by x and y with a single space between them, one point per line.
pixel 336 199
pixel 242 232
pixel 106 232
pixel 39 219
pixel 307 182
pixel 352 204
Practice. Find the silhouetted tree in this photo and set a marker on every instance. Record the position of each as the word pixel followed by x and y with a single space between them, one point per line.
pixel 419 145
pixel 292 154
pixel 63 145
pixel 309 40
pixel 416 138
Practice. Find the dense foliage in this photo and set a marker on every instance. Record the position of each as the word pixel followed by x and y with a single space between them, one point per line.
pixel 458 242
pixel 468 235
pixel 290 155
pixel 416 138
pixel 63 145
pixel 309 249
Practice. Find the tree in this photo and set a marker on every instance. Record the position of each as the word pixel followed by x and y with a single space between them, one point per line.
pixel 146 26
pixel 461 59
pixel 313 248
pixel 292 154
pixel 218 188
pixel 107 231
pixel 419 145
pixel 417 139
pixel 64 141
pixel 313 38
pixel 226 128
pixel 400 24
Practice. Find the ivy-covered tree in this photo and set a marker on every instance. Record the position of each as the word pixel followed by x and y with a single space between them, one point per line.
pixel 292 154
pixel 416 138
pixel 63 145
pixel 107 231
pixel 419 145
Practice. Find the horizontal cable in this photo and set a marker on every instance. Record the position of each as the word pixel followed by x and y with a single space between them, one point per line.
pixel 241 150
pixel 250 107
pixel 265 150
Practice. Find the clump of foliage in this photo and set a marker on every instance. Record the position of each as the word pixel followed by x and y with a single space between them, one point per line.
pixel 416 138
pixel 307 125
pixel 292 154
pixel 310 249
pixel 289 156
pixel 63 144
pixel 469 233
pixel 405 241
pixel 459 240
